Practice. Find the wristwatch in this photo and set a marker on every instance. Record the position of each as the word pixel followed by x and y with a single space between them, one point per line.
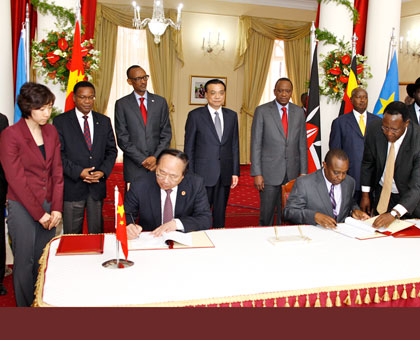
pixel 395 213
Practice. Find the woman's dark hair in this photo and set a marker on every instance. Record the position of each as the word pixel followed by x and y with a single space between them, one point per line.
pixel 33 96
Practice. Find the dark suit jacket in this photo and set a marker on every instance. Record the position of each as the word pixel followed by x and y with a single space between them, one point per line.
pixel 310 195
pixel 346 135
pixel 407 164
pixel 76 156
pixel 136 140
pixel 31 178
pixel 191 207
pixel 209 157
pixel 412 114
pixel 271 155
pixel 4 123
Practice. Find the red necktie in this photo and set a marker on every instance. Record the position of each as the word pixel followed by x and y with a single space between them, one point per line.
pixel 86 132
pixel 143 110
pixel 168 213
pixel 284 120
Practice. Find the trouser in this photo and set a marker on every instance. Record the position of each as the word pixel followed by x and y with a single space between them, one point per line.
pixel 2 242
pixel 218 196
pixel 270 201
pixel 29 239
pixel 74 213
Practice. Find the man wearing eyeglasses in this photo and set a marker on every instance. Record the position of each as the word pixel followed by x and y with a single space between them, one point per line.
pixel 168 200
pixel 142 126
pixel 391 167
pixel 88 153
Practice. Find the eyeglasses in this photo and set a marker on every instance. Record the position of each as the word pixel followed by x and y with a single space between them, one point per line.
pixel 90 98
pixel 137 79
pixel 392 130
pixel 163 175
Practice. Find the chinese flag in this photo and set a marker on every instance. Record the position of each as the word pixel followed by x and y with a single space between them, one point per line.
pixel 77 72
pixel 121 225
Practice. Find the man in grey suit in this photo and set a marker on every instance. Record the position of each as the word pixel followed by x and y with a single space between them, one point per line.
pixel 278 148
pixel 324 197
pixel 142 126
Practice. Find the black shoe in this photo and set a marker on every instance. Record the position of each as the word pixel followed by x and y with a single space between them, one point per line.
pixel 3 290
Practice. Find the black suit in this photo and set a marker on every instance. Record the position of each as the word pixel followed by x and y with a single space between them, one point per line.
pixel 192 208
pixel 214 160
pixel 76 156
pixel 407 167
pixel 4 123
pixel 412 114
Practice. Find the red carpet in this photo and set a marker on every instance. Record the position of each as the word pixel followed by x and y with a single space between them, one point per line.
pixel 242 211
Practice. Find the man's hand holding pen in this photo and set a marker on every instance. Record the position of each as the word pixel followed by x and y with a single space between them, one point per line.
pixel 133 231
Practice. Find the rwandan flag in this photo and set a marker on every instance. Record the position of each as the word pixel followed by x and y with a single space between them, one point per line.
pixel 390 90
pixel 21 75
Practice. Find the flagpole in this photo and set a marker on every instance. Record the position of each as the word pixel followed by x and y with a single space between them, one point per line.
pixel 117 250
pixel 27 42
pixel 353 47
pixel 313 41
pixel 78 15
pixel 392 45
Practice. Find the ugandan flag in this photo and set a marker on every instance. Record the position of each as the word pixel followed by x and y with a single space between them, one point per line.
pixel 346 105
pixel 77 72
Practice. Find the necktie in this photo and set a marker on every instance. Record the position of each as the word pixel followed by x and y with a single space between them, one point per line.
pixel 218 125
pixel 333 203
pixel 362 125
pixel 284 120
pixel 168 213
pixel 86 132
pixel 143 110
pixel 389 176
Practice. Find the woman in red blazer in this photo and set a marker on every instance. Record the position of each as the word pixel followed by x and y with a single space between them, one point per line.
pixel 31 159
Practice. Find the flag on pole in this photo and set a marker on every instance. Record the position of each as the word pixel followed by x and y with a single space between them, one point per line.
pixel 390 89
pixel 77 72
pixel 346 105
pixel 21 74
pixel 313 127
pixel 120 222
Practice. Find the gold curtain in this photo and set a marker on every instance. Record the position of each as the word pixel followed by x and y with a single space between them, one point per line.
pixel 252 52
pixel 161 57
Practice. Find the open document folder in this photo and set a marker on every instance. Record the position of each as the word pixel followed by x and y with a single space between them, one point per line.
pixel 363 230
pixel 197 239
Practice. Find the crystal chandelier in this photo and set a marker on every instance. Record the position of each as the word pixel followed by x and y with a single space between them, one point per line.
pixel 158 23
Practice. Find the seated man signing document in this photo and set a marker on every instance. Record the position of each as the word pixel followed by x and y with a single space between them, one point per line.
pixel 168 199
pixel 324 197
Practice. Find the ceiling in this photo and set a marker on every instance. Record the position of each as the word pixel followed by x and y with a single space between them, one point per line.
pixel 299 4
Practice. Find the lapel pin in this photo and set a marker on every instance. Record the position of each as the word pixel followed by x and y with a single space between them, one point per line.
pixel 153 100
pixel 183 193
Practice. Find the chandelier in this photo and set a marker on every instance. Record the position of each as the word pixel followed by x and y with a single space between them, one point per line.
pixel 158 23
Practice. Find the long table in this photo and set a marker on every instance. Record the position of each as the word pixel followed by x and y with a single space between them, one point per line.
pixel 243 269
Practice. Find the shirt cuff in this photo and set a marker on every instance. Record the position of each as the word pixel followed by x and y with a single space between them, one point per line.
pixel 401 210
pixel 179 225
pixel 365 189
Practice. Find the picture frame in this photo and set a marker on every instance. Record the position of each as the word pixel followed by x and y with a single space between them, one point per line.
pixel 197 89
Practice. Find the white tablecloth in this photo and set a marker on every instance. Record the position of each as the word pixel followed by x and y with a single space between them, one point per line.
pixel 243 263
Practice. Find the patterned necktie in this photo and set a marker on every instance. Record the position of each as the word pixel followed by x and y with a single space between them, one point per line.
pixel 86 132
pixel 388 177
pixel 168 213
pixel 284 120
pixel 143 110
pixel 362 125
pixel 333 203
pixel 218 125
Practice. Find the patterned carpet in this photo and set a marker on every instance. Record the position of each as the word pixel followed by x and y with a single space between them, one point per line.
pixel 242 211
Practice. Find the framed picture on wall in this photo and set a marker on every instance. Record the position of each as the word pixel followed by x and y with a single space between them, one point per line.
pixel 197 83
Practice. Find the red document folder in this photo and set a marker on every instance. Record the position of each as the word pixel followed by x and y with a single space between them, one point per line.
pixel 81 244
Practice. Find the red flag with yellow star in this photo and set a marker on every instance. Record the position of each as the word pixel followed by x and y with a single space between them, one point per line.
pixel 120 222
pixel 77 72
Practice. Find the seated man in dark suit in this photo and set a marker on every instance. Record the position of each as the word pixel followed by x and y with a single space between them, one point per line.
pixel 167 200
pixel 324 197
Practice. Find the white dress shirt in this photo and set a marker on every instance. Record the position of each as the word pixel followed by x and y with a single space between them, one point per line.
pixel 279 107
pixel 81 120
pixel 417 109
pixel 401 210
pixel 138 99
pixel 357 115
pixel 179 225
pixel 213 115
pixel 337 193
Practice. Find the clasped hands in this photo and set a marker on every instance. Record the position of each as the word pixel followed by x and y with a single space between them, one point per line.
pixel 149 163
pixel 90 176
pixel 49 221
pixel 134 230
